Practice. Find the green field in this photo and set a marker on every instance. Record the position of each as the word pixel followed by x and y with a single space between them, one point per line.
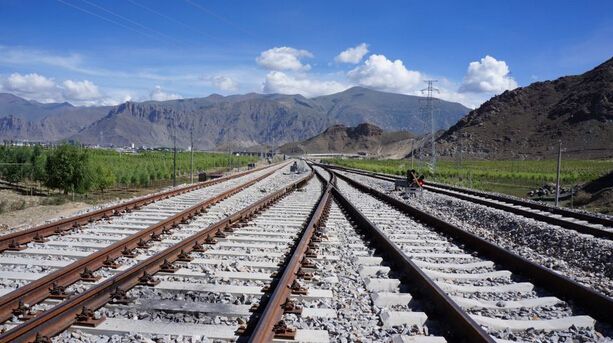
pixel 510 177
pixel 82 170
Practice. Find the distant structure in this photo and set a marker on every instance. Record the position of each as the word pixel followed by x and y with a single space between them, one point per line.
pixel 428 110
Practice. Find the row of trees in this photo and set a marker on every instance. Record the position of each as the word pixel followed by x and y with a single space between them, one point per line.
pixel 75 169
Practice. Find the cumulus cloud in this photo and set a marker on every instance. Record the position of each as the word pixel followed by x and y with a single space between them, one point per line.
pixel 224 83
pixel 352 55
pixel 81 90
pixel 157 94
pixel 280 82
pixel 380 73
pixel 487 76
pixel 33 87
pixel 284 58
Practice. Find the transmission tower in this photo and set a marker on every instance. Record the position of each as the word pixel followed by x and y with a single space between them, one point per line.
pixel 428 110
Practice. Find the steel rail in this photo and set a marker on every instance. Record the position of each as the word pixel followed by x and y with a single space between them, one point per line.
pixel 18 239
pixel 39 290
pixel 461 327
pixel 273 311
pixel 62 316
pixel 456 193
pixel 592 302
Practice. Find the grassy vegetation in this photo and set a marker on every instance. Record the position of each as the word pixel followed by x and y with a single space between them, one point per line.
pixel 82 170
pixel 511 177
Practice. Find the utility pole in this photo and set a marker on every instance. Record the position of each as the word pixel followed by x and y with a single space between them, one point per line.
pixel 174 160
pixel 412 152
pixel 558 173
pixel 429 110
pixel 191 159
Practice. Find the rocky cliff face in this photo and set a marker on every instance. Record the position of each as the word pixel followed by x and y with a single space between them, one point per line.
pixel 528 122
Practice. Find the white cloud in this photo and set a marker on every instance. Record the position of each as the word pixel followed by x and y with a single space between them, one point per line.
pixel 380 73
pixel 32 86
pixel 352 55
pixel 487 76
pixel 81 90
pixel 37 87
pixel 157 94
pixel 224 83
pixel 279 82
pixel 284 58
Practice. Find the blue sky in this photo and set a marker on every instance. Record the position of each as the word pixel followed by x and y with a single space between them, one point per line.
pixel 92 52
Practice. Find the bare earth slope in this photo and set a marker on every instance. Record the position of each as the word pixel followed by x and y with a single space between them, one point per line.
pixel 364 138
pixel 528 122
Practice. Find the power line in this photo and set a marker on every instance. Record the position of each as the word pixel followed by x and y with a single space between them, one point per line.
pixel 224 19
pixel 106 19
pixel 174 20
pixel 133 22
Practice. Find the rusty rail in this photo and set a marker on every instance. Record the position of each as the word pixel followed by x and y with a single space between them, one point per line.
pixel 39 290
pixel 485 200
pixel 16 240
pixel 592 302
pixel 263 330
pixel 60 317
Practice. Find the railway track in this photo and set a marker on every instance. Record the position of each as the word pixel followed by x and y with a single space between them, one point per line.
pixel 48 268
pixel 321 259
pixel 510 297
pixel 16 241
pixel 581 222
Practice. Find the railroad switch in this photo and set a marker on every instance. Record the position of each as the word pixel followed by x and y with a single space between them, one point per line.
pixel 110 262
pixel 57 291
pixel 88 276
pixel 184 257
pixel 297 288
pixel 127 252
pixel 198 247
pixel 38 238
pixel 88 318
pixel 168 267
pixel 147 280
pixel 291 307
pixel 120 297
pixel 283 331
pixel 15 246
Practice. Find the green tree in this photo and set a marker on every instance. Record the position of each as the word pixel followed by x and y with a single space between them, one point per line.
pixel 67 169
pixel 103 177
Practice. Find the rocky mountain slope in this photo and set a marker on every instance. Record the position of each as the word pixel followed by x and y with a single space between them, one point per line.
pixel 528 122
pixel 363 138
pixel 245 120
pixel 31 120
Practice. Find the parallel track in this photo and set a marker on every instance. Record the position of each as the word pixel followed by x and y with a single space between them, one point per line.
pixel 580 222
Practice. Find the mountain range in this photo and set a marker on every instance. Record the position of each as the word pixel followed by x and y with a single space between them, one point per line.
pixel 233 121
pixel 528 122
